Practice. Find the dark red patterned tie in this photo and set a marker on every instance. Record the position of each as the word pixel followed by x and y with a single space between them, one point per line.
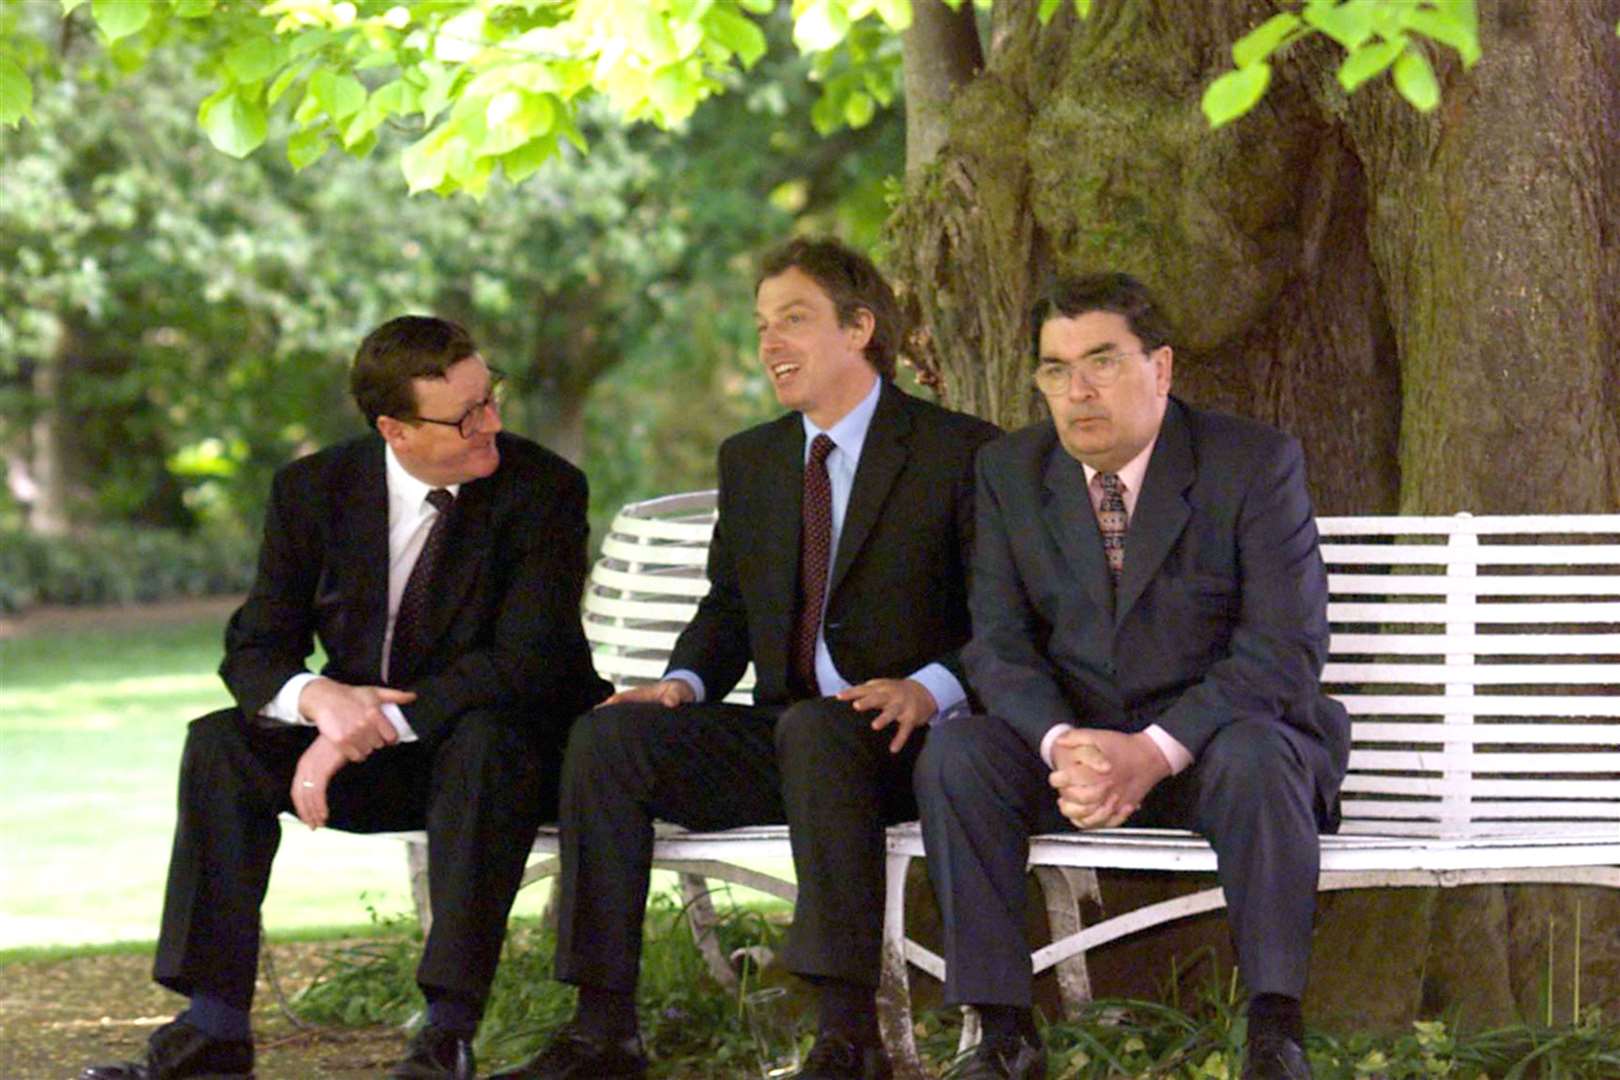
pixel 1111 521
pixel 413 602
pixel 815 551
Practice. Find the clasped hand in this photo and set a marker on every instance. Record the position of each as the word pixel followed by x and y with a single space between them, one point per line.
pixel 352 724
pixel 1102 776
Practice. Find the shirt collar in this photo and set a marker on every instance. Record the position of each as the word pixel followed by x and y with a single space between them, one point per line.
pixel 1133 471
pixel 410 492
pixel 849 434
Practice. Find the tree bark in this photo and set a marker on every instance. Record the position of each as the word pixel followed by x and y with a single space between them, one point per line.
pixel 49 514
pixel 941 54
pixel 1431 303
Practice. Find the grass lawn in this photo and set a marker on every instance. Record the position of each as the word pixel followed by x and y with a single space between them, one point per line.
pixel 91 722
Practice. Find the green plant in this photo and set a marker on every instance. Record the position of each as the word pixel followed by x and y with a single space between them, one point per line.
pixel 121 564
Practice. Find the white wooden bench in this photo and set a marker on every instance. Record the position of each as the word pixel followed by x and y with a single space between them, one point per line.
pixel 1479 658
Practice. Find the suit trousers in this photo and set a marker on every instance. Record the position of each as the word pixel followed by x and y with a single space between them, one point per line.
pixel 815 765
pixel 1253 793
pixel 481 792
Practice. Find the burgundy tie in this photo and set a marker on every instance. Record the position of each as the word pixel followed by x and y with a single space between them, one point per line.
pixel 815 551
pixel 413 602
pixel 1111 522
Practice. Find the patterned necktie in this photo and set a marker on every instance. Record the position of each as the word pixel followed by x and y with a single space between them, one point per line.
pixel 815 551
pixel 413 602
pixel 1111 522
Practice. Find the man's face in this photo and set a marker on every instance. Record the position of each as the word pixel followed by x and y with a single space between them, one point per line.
pixel 437 454
pixel 816 366
pixel 1105 426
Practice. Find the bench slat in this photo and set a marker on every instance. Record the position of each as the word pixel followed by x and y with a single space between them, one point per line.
pixel 1478 674
pixel 1545 732
pixel 1570 612
pixel 1371 783
pixel 1503 705
pixel 1438 584
pixel 1439 761
pixel 1474 555
pixel 1420 644
pixel 1471 525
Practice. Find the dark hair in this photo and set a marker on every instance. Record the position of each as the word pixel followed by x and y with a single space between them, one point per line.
pixel 851 282
pixel 1071 297
pixel 402 349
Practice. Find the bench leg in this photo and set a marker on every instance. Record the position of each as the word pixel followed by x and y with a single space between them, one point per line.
pixel 416 862
pixel 894 992
pixel 700 916
pixel 1063 887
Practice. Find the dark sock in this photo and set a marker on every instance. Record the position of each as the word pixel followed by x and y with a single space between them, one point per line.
pixel 1003 1023
pixel 1277 1013
pixel 453 1013
pixel 217 1018
pixel 606 1014
pixel 848 1009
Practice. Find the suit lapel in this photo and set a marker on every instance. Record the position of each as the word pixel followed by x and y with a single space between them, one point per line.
pixel 782 479
pixel 883 455
pixel 1161 508
pixel 361 542
pixel 1068 516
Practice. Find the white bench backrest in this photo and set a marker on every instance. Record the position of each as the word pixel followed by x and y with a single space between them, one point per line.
pixel 1479 658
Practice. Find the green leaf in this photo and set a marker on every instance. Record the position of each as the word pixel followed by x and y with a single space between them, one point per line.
pixel 1235 93
pixel 340 94
pixel 1449 27
pixel 422 162
pixel 758 7
pixel 16 94
pixel 859 109
pixel 232 123
pixel 1263 40
pixel 69 6
pixel 1414 78
pixel 1047 9
pixel 736 32
pixel 254 59
pixel 193 9
pixel 1349 24
pixel 1082 8
pixel 305 147
pixel 283 81
pixel 120 18
pixel 1369 61
pixel 896 14
pixel 525 161
pixel 820 26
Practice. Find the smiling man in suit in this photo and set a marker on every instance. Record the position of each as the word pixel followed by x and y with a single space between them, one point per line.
pixel 839 567
pixel 440 563
pixel 1149 628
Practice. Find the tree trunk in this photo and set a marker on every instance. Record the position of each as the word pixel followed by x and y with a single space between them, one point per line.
pixel 942 53
pixel 1428 302
pixel 48 515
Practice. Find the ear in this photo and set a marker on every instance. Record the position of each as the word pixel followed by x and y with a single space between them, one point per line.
pixel 861 329
pixel 1163 363
pixel 392 431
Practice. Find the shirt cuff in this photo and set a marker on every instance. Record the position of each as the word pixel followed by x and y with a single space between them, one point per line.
pixel 949 697
pixel 397 717
pixel 690 678
pixel 1049 738
pixel 284 706
pixel 1177 755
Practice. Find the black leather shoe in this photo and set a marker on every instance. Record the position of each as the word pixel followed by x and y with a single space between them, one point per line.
pixel 1274 1056
pixel 835 1057
pixel 178 1051
pixel 436 1053
pixel 1004 1059
pixel 574 1055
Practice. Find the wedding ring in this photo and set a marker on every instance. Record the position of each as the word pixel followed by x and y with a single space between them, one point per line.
pixel 306 783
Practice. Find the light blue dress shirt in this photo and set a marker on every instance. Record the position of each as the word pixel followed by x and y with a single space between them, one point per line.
pixel 849 437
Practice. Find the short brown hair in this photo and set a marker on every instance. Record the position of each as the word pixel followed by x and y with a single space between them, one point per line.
pixel 851 282
pixel 1071 297
pixel 400 350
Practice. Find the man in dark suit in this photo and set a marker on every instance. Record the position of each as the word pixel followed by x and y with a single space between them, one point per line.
pixel 440 563
pixel 839 567
pixel 1149 628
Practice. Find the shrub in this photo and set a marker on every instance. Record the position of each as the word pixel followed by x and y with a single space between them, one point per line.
pixel 121 564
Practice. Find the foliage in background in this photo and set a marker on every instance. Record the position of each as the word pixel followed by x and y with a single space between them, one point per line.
pixel 178 324
pixel 500 86
pixel 121 564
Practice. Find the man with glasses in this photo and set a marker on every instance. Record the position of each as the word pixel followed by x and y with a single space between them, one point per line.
pixel 1149 628
pixel 439 562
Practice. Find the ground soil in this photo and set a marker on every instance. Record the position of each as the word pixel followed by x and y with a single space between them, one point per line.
pixel 51 618
pixel 56 1016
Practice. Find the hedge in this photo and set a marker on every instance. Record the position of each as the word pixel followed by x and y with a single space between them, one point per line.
pixel 120 565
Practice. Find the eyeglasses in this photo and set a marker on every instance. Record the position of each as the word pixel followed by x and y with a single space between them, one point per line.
pixel 1054 377
pixel 471 422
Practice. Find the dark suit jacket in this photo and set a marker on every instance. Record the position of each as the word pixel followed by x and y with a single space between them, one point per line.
pixel 897 592
pixel 1222 606
pixel 505 629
